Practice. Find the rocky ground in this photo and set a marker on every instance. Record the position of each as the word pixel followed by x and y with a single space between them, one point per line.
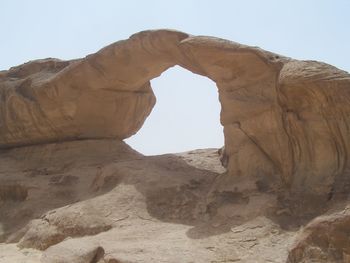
pixel 283 198
pixel 100 201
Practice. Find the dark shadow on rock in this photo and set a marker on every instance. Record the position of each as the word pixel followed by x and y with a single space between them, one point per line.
pixel 195 201
pixel 297 209
pixel 184 194
pixel 175 191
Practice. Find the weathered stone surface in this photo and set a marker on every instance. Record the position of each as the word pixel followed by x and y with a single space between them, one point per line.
pixel 168 208
pixel 324 240
pixel 284 120
pixel 70 251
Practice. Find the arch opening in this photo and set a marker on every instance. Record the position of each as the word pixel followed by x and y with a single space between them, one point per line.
pixel 185 117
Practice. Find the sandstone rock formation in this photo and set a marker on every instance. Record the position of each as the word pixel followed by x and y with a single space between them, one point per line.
pixel 326 239
pixel 289 118
pixel 100 200
pixel 286 128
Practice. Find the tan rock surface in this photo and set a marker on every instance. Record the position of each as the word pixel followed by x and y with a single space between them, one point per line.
pixel 324 240
pixel 289 118
pixel 88 197
pixel 286 129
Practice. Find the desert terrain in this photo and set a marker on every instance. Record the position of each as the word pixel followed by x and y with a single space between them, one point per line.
pixel 71 189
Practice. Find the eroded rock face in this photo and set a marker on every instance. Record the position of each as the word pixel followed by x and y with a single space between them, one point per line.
pixel 325 239
pixel 135 208
pixel 285 121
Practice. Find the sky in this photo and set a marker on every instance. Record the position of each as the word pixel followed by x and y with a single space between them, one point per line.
pixel 186 115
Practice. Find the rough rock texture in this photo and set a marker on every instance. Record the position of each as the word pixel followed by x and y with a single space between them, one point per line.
pixel 325 240
pixel 285 121
pixel 286 128
pixel 100 200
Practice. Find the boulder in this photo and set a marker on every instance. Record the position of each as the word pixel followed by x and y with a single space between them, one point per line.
pixel 326 239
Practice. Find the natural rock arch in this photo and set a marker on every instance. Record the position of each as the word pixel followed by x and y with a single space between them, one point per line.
pixel 186 115
pixel 283 119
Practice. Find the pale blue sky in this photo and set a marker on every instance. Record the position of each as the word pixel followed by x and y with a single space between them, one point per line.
pixel 187 113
